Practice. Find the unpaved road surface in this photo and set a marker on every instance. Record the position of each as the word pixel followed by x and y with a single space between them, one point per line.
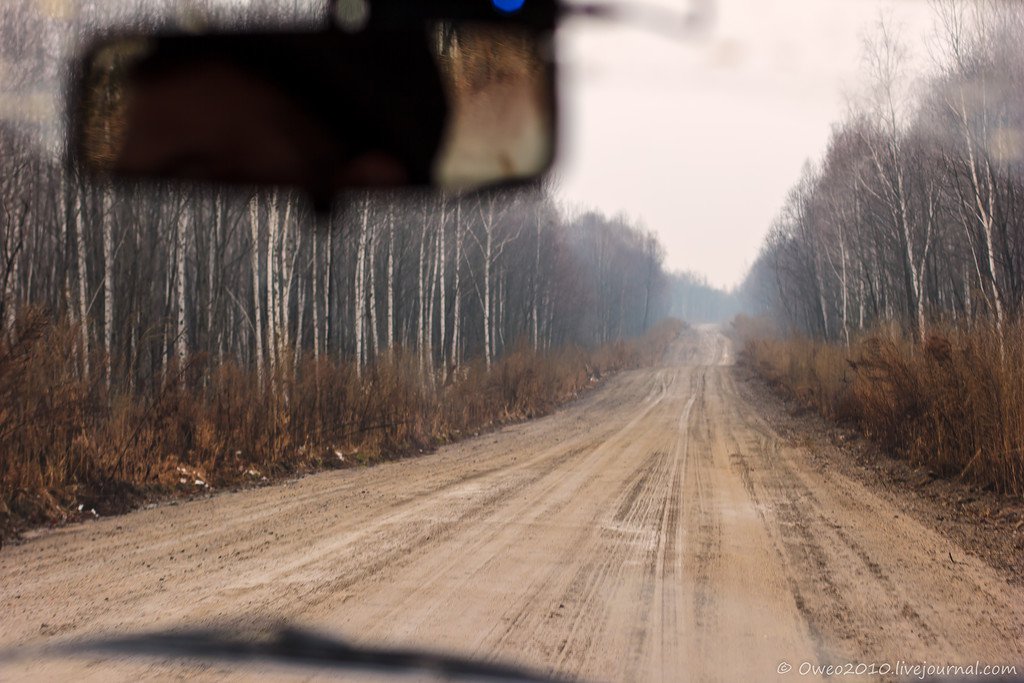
pixel 656 530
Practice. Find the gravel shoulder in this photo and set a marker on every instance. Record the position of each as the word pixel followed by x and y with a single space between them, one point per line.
pixel 987 525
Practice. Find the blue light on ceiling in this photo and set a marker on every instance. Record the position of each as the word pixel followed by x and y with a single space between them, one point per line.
pixel 508 6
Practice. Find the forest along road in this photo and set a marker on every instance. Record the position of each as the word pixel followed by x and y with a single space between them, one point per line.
pixel 658 529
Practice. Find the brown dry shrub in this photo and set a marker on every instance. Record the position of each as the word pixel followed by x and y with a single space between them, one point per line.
pixel 67 441
pixel 954 403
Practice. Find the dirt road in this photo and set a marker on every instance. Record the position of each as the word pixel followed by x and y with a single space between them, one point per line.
pixel 656 530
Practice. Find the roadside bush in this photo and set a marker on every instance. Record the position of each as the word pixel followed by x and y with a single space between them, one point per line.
pixel 67 442
pixel 954 403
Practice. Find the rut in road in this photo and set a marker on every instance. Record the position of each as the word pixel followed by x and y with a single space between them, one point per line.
pixel 658 529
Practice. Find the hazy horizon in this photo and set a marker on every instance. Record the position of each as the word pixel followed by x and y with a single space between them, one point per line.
pixel 666 132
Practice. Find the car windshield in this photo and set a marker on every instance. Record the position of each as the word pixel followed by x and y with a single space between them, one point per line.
pixel 733 390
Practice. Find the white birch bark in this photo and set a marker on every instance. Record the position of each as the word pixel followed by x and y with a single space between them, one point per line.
pixel 441 276
pixel 457 287
pixel 83 276
pixel 359 311
pixel 211 265
pixel 535 294
pixel 108 281
pixel 314 296
pixel 180 330
pixel 391 280
pixel 422 290
pixel 328 288
pixel 287 253
pixel 273 322
pixel 371 273
pixel 488 252
pixel 254 254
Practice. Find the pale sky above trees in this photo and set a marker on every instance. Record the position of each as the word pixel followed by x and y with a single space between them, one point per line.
pixel 701 140
pixel 666 131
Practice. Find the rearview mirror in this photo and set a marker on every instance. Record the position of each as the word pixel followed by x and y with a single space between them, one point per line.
pixel 450 105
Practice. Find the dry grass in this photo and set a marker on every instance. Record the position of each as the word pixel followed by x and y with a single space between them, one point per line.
pixel 954 403
pixel 67 442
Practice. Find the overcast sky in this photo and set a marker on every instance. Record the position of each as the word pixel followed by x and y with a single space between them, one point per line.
pixel 700 141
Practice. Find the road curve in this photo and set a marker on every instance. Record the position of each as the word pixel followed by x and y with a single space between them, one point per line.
pixel 658 529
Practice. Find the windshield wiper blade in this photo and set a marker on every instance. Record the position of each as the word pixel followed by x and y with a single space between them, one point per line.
pixel 297 647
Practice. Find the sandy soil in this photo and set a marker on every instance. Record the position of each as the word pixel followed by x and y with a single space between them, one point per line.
pixel 659 529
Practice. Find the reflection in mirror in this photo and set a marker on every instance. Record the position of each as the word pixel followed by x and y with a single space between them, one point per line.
pixel 464 106
pixel 502 125
pixel 104 111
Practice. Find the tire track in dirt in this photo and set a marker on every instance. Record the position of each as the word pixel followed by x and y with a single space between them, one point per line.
pixel 658 529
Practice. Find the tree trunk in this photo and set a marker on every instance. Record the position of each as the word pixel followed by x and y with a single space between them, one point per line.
pixel 457 286
pixel 328 289
pixel 422 287
pixel 180 330
pixel 273 321
pixel 315 297
pixel 254 255
pixel 371 272
pixel 359 311
pixel 108 281
pixel 391 280
pixel 287 251
pixel 488 251
pixel 535 294
pixel 83 276
pixel 443 334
